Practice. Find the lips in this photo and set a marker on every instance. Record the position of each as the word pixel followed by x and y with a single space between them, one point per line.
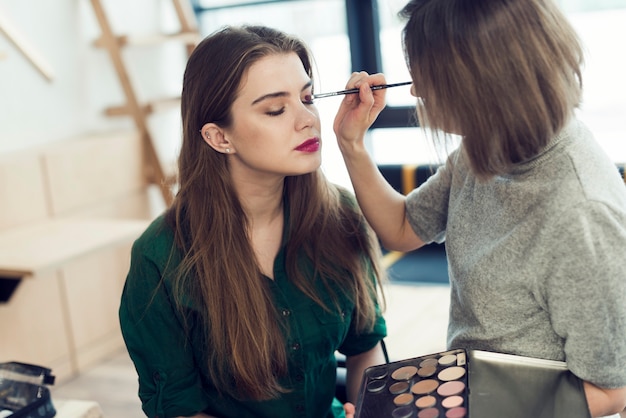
pixel 310 145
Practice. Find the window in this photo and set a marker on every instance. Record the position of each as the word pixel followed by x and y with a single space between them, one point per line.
pixel 353 35
pixel 600 25
pixel 393 61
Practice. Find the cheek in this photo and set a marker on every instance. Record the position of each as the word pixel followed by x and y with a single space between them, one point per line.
pixel 244 133
pixel 316 113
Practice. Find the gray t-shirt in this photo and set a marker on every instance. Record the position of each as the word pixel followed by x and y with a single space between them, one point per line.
pixel 536 258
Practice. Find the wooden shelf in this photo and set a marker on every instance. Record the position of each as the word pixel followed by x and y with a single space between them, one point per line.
pixel 153 106
pixel 77 409
pixel 34 249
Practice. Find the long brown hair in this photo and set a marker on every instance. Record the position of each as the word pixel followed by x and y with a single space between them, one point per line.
pixel 247 354
pixel 505 74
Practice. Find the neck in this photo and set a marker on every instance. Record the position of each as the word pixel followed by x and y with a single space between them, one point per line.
pixel 261 200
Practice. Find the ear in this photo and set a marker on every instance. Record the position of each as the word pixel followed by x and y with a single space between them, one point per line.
pixel 213 135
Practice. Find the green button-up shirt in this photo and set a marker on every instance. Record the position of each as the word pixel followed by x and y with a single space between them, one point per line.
pixel 172 374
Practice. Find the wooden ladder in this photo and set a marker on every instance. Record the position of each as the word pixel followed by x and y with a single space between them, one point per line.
pixel 157 172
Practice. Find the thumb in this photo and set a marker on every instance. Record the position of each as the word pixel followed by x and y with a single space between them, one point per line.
pixel 349 409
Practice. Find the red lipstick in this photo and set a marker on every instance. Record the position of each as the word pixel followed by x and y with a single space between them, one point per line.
pixel 310 145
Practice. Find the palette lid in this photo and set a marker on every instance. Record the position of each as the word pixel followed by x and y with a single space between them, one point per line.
pixel 521 387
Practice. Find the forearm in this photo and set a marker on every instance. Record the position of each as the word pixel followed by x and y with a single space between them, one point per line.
pixel 355 367
pixel 383 207
pixel 603 402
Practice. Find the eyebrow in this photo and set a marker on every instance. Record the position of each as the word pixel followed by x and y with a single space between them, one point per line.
pixel 280 93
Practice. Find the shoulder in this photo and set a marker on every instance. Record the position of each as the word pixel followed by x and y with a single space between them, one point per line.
pixel 346 197
pixel 154 258
pixel 597 174
pixel 156 241
pixel 594 220
pixel 575 172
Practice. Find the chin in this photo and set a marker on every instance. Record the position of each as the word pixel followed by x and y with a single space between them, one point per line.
pixel 305 169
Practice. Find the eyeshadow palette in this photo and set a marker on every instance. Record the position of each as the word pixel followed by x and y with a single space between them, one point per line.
pixel 473 384
pixel 423 387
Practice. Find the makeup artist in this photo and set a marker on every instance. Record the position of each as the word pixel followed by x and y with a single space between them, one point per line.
pixel 532 210
pixel 240 293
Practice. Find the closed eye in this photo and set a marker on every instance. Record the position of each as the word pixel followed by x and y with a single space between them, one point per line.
pixel 275 112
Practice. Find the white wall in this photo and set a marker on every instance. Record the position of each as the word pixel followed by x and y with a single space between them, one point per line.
pixel 35 111
pixel 603 109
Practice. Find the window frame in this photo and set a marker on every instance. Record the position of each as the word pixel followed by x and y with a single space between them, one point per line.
pixel 364 37
pixel 365 52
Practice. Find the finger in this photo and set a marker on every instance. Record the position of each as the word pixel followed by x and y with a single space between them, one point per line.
pixel 356 78
pixel 366 95
pixel 349 408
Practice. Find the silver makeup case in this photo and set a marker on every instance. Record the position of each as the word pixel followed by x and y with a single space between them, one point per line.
pixel 498 385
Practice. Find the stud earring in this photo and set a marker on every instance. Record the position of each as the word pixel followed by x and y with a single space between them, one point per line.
pixel 227 150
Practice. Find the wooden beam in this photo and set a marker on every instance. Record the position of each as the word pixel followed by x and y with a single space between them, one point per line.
pixel 137 111
pixel 35 59
pixel 190 38
pixel 152 106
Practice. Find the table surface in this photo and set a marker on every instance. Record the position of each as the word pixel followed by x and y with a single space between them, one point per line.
pixel 77 409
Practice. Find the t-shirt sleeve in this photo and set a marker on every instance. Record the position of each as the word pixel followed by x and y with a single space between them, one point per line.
pixel 427 205
pixel 357 343
pixel 169 382
pixel 586 291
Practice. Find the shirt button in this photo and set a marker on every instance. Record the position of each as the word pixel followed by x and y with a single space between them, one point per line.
pixel 299 378
pixel 285 312
pixel 295 346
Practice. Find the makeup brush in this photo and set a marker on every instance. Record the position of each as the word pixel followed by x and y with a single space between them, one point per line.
pixel 352 91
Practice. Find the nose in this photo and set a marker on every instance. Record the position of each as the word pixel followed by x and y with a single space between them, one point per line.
pixel 307 116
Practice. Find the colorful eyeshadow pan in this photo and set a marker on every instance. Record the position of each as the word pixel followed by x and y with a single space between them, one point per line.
pixel 427 371
pixel 451 388
pixel 451 373
pixel 423 387
pixel 399 387
pixel 459 412
pixel 404 373
pixel 378 373
pixel 405 399
pixel 376 385
pixel 428 413
pixel 452 401
pixel 429 362
pixel 427 401
pixel 447 360
pixel 402 412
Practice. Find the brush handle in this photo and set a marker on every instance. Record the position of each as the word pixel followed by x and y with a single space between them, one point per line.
pixel 352 91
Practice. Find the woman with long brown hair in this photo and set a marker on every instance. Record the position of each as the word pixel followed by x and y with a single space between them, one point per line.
pixel 532 210
pixel 239 295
